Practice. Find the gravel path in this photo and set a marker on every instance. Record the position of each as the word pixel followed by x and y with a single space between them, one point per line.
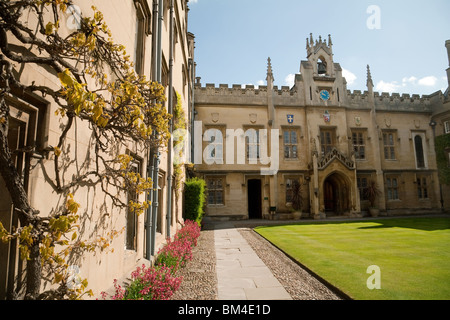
pixel 200 280
pixel 199 274
pixel 300 284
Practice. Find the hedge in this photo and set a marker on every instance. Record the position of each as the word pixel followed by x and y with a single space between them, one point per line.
pixel 194 199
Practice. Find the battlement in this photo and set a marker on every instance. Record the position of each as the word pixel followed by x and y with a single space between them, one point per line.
pixel 390 96
pixel 242 89
pixel 242 94
pixel 391 101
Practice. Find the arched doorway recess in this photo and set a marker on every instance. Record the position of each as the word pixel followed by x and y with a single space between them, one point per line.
pixel 336 194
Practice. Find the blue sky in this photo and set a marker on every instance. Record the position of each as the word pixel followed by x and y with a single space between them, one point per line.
pixel 405 50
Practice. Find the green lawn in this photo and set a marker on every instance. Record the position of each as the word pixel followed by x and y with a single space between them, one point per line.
pixel 413 254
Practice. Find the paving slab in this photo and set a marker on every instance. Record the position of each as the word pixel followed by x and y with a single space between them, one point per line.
pixel 273 293
pixel 241 274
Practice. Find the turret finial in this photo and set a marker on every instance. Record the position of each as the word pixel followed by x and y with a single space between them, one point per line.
pixel 269 70
pixel 369 79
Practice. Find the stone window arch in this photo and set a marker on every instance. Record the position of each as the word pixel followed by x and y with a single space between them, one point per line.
pixel 420 158
pixel 420 151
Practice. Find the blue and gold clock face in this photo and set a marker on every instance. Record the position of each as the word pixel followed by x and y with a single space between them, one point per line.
pixel 324 95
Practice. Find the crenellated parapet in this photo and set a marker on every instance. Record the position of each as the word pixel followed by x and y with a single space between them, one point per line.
pixel 358 99
pixel 257 96
pixel 240 94
pixel 389 101
pixel 236 94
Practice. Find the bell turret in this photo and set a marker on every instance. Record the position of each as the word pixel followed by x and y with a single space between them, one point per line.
pixel 320 55
pixel 321 67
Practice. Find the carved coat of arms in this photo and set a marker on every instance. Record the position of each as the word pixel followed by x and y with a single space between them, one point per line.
pixel 326 116
pixel 290 118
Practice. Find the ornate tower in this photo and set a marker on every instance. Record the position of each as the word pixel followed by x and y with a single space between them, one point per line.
pixel 323 83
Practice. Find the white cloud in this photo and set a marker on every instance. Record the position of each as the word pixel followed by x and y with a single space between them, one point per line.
pixel 260 83
pixel 290 80
pixel 408 83
pixel 193 1
pixel 349 76
pixel 387 86
pixel 411 80
pixel 425 81
pixel 428 81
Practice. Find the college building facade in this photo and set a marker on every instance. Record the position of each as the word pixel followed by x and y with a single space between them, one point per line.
pixel 253 146
pixel 262 146
pixel 155 35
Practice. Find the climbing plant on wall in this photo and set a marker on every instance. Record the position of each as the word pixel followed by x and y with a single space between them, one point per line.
pixel 179 126
pixel 442 145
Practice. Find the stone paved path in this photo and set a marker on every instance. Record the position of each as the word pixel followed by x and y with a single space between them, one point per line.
pixel 241 274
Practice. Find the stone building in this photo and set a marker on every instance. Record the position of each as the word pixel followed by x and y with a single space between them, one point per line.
pixel 144 28
pixel 257 143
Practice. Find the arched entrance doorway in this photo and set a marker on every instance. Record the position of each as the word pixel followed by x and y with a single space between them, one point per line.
pixel 336 194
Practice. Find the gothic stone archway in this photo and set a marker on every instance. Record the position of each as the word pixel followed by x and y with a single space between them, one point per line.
pixel 335 190
pixel 336 194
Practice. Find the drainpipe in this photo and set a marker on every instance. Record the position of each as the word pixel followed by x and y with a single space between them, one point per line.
pixel 158 44
pixel 155 154
pixel 150 169
pixel 155 160
pixel 191 100
pixel 170 107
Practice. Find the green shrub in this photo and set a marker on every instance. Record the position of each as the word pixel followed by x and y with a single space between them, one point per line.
pixel 194 199
pixel 441 144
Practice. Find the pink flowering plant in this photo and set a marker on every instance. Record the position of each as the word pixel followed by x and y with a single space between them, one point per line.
pixel 190 232
pixel 160 281
pixel 178 252
pixel 149 284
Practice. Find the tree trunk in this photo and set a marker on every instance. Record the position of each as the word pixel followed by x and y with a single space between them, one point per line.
pixel 14 183
pixel 33 273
